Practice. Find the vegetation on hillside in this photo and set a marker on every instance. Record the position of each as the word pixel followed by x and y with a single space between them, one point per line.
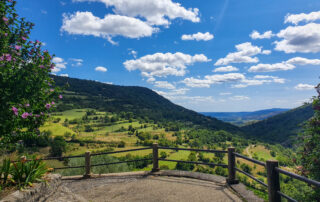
pixel 282 128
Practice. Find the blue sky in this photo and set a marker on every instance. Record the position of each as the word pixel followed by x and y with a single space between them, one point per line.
pixel 221 55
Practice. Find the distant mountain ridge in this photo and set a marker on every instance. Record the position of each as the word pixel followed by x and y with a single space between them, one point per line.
pixel 282 128
pixel 240 118
pixel 141 101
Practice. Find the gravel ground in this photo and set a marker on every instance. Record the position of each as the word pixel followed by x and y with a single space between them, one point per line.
pixel 143 189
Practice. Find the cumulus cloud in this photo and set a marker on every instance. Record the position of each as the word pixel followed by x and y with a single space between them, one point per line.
pixel 225 93
pixel 244 54
pixel 85 23
pixel 100 69
pixel 266 35
pixel 158 12
pixel 164 64
pixel 266 52
pixel 302 17
pixel 303 39
pixel 259 80
pixel 285 65
pixel 59 64
pixel 303 61
pixel 198 36
pixel 271 67
pixel 164 84
pixel 302 86
pixel 226 69
pixel 64 75
pixel 213 79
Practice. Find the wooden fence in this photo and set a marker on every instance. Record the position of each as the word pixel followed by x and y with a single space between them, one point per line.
pixel 272 167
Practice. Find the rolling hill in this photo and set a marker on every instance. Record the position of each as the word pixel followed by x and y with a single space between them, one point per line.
pixel 142 102
pixel 282 128
pixel 240 118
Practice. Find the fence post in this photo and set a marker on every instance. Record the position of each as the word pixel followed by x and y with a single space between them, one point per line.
pixel 87 165
pixel 231 166
pixel 273 181
pixel 155 157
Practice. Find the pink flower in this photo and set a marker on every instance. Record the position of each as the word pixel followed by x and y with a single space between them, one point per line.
pixel 1 58
pixel 27 105
pixel 37 115
pixel 5 19
pixel 15 111
pixel 53 103
pixel 41 66
pixel 8 57
pixel 60 96
pixel 51 89
pixel 41 113
pixel 23 38
pixel 48 106
pixel 5 34
pixel 17 47
pixel 25 115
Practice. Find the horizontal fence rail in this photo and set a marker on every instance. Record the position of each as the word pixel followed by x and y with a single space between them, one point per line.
pixel 299 177
pixel 271 166
pixel 197 150
pixel 252 177
pixel 250 159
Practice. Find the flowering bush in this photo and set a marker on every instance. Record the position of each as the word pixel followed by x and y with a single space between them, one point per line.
pixel 27 95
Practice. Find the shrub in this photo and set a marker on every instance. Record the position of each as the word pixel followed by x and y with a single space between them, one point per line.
pixel 58 146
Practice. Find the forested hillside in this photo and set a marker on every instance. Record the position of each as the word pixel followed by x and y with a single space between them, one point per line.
pixel 142 102
pixel 282 128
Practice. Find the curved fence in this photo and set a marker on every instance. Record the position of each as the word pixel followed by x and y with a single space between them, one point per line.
pixel 271 166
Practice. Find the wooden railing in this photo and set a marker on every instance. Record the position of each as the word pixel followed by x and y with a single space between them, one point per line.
pixel 272 167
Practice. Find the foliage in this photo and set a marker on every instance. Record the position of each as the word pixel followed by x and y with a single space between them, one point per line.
pixel 309 152
pixel 21 173
pixel 26 89
pixel 58 146
pixel 282 128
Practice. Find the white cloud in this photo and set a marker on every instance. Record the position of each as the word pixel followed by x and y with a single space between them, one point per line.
pixel 239 98
pixel 302 17
pixel 64 75
pixel 133 53
pixel 76 62
pixel 303 39
pixel 225 69
pixel 213 79
pixel 285 65
pixel 266 35
pixel 244 54
pixel 266 52
pixel 271 67
pixel 164 64
pixel 302 86
pixel 226 93
pixel 158 12
pixel 303 61
pixel 59 64
pixel 198 36
pixel 85 23
pixel 151 80
pixel 164 84
pixel 100 69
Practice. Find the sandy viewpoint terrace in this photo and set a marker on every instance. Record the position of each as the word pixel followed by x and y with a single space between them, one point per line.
pixel 143 186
